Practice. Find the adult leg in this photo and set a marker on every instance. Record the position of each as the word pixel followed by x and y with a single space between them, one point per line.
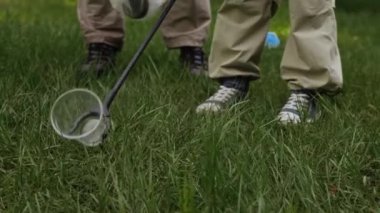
pixel 103 31
pixel 186 28
pixel 311 58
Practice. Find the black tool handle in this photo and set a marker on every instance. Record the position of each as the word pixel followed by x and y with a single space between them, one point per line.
pixel 115 89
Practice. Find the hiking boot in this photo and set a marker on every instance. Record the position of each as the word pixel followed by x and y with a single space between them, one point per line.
pixel 300 107
pixel 194 59
pixel 100 58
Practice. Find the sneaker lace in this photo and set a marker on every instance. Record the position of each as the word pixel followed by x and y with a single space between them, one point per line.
pixel 224 94
pixel 297 101
pixel 198 57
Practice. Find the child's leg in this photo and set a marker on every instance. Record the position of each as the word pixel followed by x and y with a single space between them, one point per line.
pixel 311 59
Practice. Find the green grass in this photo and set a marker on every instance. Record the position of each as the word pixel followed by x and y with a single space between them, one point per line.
pixel 163 157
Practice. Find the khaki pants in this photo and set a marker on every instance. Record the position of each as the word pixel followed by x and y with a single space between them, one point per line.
pixel 186 25
pixel 311 59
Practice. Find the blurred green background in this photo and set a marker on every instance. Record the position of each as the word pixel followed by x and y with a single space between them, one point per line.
pixel 358 5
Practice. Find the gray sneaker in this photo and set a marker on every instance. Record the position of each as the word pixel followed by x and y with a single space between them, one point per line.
pixel 223 98
pixel 194 59
pixel 300 107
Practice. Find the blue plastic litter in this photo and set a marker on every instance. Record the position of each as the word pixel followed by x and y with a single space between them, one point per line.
pixel 272 40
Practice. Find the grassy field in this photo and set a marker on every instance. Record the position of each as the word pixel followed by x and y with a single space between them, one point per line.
pixel 161 156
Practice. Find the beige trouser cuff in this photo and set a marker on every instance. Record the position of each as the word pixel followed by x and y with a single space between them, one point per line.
pixel 182 41
pixel 187 24
pixel 100 22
